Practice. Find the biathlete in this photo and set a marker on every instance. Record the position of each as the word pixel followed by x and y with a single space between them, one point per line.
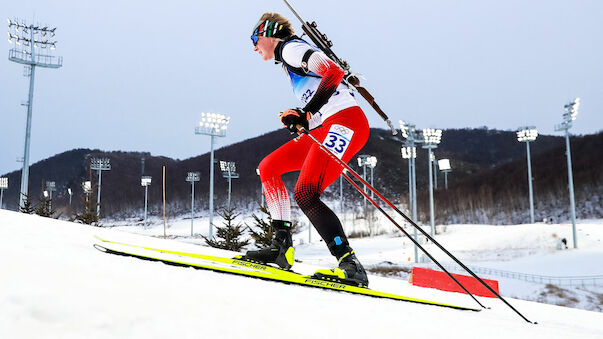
pixel 332 115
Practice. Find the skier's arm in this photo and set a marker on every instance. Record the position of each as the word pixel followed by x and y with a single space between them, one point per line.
pixel 331 74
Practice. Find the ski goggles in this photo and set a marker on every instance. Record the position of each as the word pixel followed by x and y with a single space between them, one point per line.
pixel 254 39
pixel 267 28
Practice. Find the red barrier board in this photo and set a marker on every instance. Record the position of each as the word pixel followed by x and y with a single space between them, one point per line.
pixel 425 277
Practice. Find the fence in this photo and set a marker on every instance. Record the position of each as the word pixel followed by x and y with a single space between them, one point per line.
pixel 594 280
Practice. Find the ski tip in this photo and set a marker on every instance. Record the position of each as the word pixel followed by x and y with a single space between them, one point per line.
pixel 100 248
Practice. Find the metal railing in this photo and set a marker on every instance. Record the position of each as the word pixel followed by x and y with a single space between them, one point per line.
pixel 593 280
pixel 43 60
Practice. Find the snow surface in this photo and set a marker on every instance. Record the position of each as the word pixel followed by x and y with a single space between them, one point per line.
pixel 54 284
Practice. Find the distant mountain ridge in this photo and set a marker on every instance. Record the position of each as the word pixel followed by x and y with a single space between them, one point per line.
pixel 483 160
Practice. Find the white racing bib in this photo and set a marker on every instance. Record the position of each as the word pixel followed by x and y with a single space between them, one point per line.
pixel 338 139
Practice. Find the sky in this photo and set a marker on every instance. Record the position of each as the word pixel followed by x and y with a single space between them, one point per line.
pixel 137 75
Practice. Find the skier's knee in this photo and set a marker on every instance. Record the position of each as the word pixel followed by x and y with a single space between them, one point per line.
pixel 306 195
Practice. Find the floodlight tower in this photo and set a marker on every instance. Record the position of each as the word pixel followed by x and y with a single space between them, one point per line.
pixel 214 125
pixel 412 138
pixel 87 187
pixel 444 165
pixel 527 134
pixel 145 181
pixel 3 186
pixel 29 40
pixel 229 171
pixel 372 163
pixel 363 161
pixel 432 138
pixel 410 152
pixel 570 114
pixel 99 164
pixel 51 187
pixel 193 177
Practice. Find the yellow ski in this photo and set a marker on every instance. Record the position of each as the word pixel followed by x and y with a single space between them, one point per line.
pixel 247 268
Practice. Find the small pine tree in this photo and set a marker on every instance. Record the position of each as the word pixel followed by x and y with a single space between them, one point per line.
pixel 228 236
pixel 263 237
pixel 27 207
pixel 44 207
pixel 88 215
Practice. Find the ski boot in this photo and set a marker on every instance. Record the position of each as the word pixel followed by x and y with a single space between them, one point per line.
pixel 281 250
pixel 350 270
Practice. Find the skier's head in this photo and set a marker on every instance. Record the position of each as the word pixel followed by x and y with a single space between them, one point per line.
pixel 267 33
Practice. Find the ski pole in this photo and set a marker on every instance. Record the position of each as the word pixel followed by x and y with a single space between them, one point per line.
pixel 366 195
pixel 348 169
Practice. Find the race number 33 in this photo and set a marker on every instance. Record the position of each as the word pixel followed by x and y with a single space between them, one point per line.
pixel 338 139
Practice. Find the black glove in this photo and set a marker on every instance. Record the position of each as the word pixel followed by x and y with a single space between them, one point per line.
pixel 293 117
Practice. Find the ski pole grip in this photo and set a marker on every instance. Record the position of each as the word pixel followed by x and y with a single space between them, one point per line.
pixel 301 129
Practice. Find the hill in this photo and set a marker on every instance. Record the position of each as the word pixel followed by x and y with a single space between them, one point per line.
pixel 488 178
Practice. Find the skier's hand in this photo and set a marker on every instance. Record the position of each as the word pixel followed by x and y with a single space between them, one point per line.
pixel 293 117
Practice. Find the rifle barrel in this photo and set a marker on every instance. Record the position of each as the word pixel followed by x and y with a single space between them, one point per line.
pixel 294 11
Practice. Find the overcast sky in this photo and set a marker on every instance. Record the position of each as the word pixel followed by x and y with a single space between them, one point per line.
pixel 137 74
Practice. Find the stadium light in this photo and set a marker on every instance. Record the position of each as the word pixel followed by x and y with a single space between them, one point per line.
pixel 145 181
pixel 87 187
pixel 431 138
pixel 229 172
pixel 214 125
pixel 51 187
pixel 569 115
pixel 22 36
pixel 193 177
pixel 528 134
pixel 3 186
pixel 99 164
pixel 444 165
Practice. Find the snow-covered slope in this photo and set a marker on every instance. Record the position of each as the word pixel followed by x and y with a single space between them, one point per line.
pixel 54 284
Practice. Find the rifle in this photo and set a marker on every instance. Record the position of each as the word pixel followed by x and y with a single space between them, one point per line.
pixel 351 79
